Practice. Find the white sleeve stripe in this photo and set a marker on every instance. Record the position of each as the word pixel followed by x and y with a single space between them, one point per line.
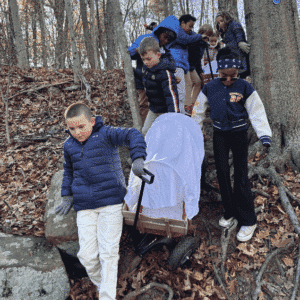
pixel 200 106
pixel 257 115
pixel 172 92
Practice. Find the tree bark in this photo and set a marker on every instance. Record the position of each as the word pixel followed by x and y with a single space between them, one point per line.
pixel 27 32
pixel 123 46
pixel 59 46
pixel 76 62
pixel 43 32
pixel 273 32
pixel 93 33
pixel 87 35
pixel 110 35
pixel 202 12
pixel 229 5
pixel 34 36
pixel 20 45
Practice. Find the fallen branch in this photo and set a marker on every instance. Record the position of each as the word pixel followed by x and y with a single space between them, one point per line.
pixel 258 281
pixel 297 277
pixel 38 88
pixel 214 266
pixel 260 193
pixel 148 287
pixel 225 237
pixel 291 195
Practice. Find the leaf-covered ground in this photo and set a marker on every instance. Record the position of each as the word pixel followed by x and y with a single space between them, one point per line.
pixel 36 104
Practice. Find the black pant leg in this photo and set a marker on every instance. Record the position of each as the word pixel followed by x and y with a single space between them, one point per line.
pixel 221 154
pixel 243 199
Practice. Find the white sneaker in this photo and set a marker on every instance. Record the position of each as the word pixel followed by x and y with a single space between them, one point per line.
pixel 226 223
pixel 245 233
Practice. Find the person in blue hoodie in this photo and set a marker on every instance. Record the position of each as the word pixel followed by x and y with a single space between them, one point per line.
pixel 158 81
pixel 164 33
pixel 232 101
pixel 94 182
pixel 179 49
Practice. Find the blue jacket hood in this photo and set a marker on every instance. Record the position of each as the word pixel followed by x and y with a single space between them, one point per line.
pixel 171 23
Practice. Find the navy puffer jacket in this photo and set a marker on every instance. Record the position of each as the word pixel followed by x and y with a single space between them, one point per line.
pixel 160 85
pixel 92 169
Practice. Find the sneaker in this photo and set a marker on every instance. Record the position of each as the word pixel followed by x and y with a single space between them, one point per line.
pixel 226 223
pixel 245 233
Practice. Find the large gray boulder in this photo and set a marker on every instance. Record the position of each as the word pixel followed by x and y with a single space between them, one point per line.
pixel 60 230
pixel 31 269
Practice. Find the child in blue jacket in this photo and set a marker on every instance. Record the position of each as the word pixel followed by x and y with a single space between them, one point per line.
pixel 232 101
pixel 164 34
pixel 158 81
pixel 94 182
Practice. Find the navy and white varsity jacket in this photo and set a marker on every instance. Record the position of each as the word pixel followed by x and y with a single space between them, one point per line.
pixel 231 107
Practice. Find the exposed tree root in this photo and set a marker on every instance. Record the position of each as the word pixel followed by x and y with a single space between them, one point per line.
pixel 258 281
pixel 148 287
pixel 297 277
pixel 260 193
pixel 292 196
pixel 215 268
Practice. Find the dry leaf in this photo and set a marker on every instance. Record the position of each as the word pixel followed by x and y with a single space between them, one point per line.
pixel 233 285
pixel 247 249
pixel 288 262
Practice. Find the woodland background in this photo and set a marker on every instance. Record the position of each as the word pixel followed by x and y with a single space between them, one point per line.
pixel 56 52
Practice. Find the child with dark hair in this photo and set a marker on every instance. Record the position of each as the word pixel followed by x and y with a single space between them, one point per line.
pixel 232 101
pixel 158 81
pixel 180 51
pixel 234 37
pixel 151 26
pixel 94 183
pixel 164 33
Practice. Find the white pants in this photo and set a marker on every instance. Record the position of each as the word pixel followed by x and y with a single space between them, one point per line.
pixel 99 232
pixel 181 89
pixel 151 117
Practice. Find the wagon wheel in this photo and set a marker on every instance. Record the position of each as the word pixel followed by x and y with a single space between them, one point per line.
pixel 182 252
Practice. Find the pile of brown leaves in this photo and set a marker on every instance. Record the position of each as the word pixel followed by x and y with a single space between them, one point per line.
pixel 37 101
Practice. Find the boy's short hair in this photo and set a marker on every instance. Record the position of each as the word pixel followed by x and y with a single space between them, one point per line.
pixel 206 28
pixel 226 52
pixel 186 18
pixel 148 44
pixel 78 109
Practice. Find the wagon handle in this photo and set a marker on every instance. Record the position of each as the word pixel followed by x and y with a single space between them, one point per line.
pixel 144 180
pixel 147 180
pixel 211 72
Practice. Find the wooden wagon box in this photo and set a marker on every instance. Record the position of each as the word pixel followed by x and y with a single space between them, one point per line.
pixel 159 226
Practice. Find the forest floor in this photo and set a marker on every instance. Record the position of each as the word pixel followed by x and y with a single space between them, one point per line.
pixel 37 100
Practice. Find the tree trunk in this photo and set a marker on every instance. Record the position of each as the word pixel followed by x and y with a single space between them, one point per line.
pixel 87 35
pixel 20 45
pixel 59 15
pixel 229 5
pixel 93 33
pixel 34 36
pixel 43 32
pixel 123 46
pixel 110 35
pixel 202 12
pixel 27 32
pixel 273 32
pixel 99 36
pixel 166 10
pixel 76 62
pixel 12 51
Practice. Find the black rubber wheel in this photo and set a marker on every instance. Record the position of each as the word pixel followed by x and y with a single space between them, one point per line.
pixel 182 252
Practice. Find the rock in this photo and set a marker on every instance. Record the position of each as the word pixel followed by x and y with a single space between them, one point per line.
pixel 60 230
pixel 31 269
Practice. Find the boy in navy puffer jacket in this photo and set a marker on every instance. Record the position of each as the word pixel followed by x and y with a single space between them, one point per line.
pixel 158 80
pixel 232 101
pixel 94 182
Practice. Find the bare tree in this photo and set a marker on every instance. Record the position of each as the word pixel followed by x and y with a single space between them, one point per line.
pixel 76 62
pixel 229 5
pixel 110 35
pixel 87 35
pixel 123 46
pixel 43 31
pixel 93 33
pixel 20 45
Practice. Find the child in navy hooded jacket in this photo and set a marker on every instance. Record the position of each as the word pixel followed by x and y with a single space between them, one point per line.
pixel 94 182
pixel 158 81
pixel 232 101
